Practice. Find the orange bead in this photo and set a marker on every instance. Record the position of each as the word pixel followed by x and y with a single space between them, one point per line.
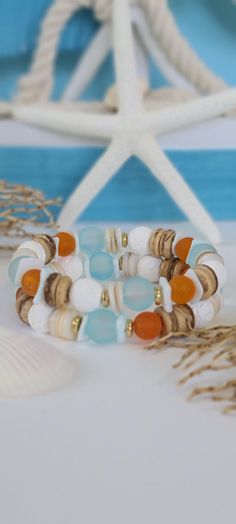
pixel 147 325
pixel 66 244
pixel 30 282
pixel 182 289
pixel 182 248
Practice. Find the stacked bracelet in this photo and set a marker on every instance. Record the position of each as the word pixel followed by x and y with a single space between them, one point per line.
pixel 69 286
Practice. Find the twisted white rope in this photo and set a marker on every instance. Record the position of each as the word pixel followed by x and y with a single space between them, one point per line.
pixel 37 85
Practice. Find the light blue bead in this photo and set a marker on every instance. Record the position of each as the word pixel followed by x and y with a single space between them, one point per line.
pixel 91 240
pixel 101 266
pixel 13 267
pixel 138 293
pixel 197 249
pixel 101 326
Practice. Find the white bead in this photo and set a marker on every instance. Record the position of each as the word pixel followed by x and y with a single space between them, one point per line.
pixel 198 286
pixel 85 295
pixel 34 248
pixel 219 270
pixel 120 328
pixel 204 313
pixel 61 322
pixel 72 267
pixel 38 317
pixel 148 267
pixel 166 294
pixel 25 265
pixel 217 301
pixel 203 259
pixel 139 240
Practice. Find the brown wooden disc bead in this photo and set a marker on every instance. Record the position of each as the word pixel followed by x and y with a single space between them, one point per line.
pixel 173 267
pixel 208 280
pixel 181 319
pixel 161 243
pixel 48 245
pixel 56 290
pixel 23 305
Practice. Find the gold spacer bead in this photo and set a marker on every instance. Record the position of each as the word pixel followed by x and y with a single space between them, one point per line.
pixel 129 328
pixel 158 296
pixel 124 239
pixel 105 299
pixel 76 323
pixel 120 263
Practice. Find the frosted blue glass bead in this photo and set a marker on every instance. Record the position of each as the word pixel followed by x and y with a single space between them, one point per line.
pixel 101 326
pixel 138 293
pixel 101 266
pixel 197 249
pixel 91 240
pixel 13 267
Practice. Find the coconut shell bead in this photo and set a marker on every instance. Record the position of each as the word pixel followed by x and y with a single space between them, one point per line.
pixel 181 319
pixel 49 246
pixel 208 280
pixel 161 242
pixel 66 244
pixel 23 305
pixel 56 290
pixel 139 239
pixel 173 267
pixel 85 295
pixel 147 325
pixel 62 323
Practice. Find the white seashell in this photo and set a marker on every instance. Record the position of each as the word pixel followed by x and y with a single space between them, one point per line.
pixel 178 237
pixel 61 323
pixel 38 317
pixel 198 286
pixel 219 270
pixel 85 295
pixel 139 240
pixel 130 264
pixel 166 294
pixel 31 366
pixel 115 290
pixel 204 313
pixel 148 267
pixel 25 265
pixel 72 266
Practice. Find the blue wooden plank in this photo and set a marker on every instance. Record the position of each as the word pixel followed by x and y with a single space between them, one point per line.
pixel 133 194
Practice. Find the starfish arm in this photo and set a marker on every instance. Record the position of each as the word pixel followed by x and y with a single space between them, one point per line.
pixel 191 113
pixel 154 50
pixel 127 81
pixel 89 64
pixel 151 154
pixel 75 123
pixel 107 165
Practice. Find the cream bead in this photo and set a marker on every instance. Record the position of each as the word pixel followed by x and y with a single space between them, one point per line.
pixel 113 239
pixel 115 291
pixel 85 295
pixel 217 301
pixel 61 323
pixel 204 313
pixel 148 267
pixel 139 240
pixel 129 264
pixel 38 317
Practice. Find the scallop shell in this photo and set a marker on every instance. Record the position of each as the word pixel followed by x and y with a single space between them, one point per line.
pixel 31 366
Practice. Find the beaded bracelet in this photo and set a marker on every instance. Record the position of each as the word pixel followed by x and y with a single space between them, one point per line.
pixel 49 270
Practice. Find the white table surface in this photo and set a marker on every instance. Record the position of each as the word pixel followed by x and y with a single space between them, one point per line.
pixel 120 444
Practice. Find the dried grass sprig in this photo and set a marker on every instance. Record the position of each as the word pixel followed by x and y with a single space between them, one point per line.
pixel 206 350
pixel 21 209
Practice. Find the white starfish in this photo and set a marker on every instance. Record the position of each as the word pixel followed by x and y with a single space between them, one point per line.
pixel 131 131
